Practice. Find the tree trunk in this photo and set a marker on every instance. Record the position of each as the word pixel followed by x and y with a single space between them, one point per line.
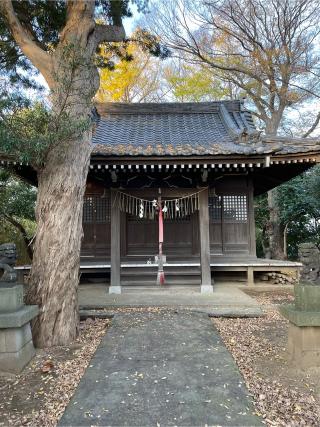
pixel 275 228
pixel 55 270
pixel 285 241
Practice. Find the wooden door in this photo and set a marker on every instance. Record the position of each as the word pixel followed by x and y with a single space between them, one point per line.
pixel 235 224
pixel 178 236
pixel 229 224
pixel 96 226
pixel 142 236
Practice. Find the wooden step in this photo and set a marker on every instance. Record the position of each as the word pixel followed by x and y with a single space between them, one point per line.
pixel 157 288
pixel 174 282
pixel 146 275
pixel 133 273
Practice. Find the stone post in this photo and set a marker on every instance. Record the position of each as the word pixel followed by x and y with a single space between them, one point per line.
pixel 16 346
pixel 304 328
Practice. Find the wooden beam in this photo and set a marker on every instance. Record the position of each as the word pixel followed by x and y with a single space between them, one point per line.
pixel 115 285
pixel 206 285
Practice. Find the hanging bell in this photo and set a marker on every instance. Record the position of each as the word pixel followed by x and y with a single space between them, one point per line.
pixel 154 203
pixel 177 206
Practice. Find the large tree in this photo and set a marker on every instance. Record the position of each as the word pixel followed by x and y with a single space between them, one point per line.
pixel 60 39
pixel 266 48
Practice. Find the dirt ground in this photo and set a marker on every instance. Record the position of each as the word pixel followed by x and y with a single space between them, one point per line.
pixel 283 395
pixel 39 395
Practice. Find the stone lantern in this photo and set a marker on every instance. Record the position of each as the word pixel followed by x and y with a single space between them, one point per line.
pixel 16 346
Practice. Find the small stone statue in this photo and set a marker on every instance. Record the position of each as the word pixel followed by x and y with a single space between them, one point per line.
pixel 309 255
pixel 8 258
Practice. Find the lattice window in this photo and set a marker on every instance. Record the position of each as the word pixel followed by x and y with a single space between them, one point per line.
pixel 96 209
pixel 215 208
pixel 235 208
pixel 103 209
pixel 88 209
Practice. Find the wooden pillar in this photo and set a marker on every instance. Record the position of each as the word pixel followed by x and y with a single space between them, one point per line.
pixel 206 285
pixel 250 276
pixel 115 285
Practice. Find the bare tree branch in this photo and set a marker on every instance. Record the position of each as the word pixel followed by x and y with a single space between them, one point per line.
pixel 40 59
pixel 266 48
pixel 313 127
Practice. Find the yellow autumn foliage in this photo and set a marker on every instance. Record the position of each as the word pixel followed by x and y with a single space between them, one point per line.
pixel 136 80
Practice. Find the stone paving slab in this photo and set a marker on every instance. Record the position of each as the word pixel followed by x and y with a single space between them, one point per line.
pixel 228 312
pixel 222 296
pixel 161 369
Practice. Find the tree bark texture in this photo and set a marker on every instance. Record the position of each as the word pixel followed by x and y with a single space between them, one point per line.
pixel 55 269
pixel 274 227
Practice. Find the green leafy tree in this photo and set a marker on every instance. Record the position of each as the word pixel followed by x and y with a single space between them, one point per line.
pixel 298 201
pixel 134 70
pixel 299 205
pixel 17 208
pixel 190 83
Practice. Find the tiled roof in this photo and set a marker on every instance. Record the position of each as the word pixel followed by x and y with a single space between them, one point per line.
pixel 185 129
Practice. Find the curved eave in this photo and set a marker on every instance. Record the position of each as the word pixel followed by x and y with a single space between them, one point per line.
pixel 266 172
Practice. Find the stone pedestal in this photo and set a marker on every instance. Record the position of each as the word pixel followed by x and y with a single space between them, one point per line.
pixel 16 347
pixel 304 345
pixel 304 328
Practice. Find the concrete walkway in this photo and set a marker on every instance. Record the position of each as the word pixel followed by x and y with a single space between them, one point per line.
pixel 161 369
pixel 225 300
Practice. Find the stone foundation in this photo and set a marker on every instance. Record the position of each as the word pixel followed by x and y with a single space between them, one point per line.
pixel 283 278
pixel 279 277
pixel 304 345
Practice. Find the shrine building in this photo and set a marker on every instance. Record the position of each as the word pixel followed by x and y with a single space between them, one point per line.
pixel 201 164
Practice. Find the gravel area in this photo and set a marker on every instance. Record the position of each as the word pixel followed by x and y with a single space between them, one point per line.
pixel 283 395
